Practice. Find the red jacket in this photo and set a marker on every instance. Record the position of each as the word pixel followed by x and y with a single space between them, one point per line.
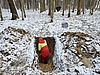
pixel 44 50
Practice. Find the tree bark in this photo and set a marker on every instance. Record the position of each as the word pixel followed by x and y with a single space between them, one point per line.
pixel 13 9
pixel 41 6
pixel 92 6
pixel 63 7
pixel 1 13
pixel 49 7
pixel 52 10
pixel 18 4
pixel 74 5
pixel 69 8
pixel 5 4
pixel 83 5
pixel 28 6
pixel 79 7
pixel 22 9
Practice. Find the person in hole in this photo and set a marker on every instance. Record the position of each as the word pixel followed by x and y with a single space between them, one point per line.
pixel 43 50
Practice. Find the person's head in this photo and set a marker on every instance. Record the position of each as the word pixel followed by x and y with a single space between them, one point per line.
pixel 40 37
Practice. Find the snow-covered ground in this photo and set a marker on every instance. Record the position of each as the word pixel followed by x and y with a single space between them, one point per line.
pixel 17 48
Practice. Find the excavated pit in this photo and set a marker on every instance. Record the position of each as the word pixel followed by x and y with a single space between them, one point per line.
pixel 51 44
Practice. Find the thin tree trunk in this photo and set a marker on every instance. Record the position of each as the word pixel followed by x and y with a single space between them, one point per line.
pixel 44 5
pixel 52 10
pixel 1 13
pixel 66 4
pixel 97 4
pixel 69 8
pixel 5 4
pixel 17 4
pixel 83 5
pixel 88 4
pixel 36 2
pixel 22 9
pixel 63 7
pixel 92 6
pixel 33 4
pixel 41 6
pixel 28 6
pixel 79 7
pixel 49 7
pixel 54 5
pixel 13 9
pixel 74 5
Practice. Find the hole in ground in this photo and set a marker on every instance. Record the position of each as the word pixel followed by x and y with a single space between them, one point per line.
pixel 51 44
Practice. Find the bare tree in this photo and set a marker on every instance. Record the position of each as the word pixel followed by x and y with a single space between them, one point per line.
pixel 79 7
pixel 87 4
pixel 69 8
pixel 66 4
pixel 52 10
pixel 35 4
pixel 63 7
pixel 31 4
pixel 5 4
pixel 1 13
pixel 13 9
pixel 18 4
pixel 58 3
pixel 41 5
pixel 92 6
pixel 74 5
pixel 22 9
pixel 83 5
pixel 97 5
pixel 49 7
pixel 28 6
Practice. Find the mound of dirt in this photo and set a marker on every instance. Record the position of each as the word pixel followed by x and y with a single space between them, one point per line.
pixel 81 44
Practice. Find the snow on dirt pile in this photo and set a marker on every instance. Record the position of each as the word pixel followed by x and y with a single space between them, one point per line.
pixel 15 54
pixel 18 54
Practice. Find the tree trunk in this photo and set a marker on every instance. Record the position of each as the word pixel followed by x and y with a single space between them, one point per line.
pixel 88 4
pixel 13 9
pixel 44 5
pixel 98 5
pixel 31 4
pixel 28 6
pixel 17 4
pixel 63 7
pixel 1 13
pixel 49 7
pixel 41 4
pixel 52 10
pixel 74 5
pixel 92 6
pixel 22 9
pixel 66 4
pixel 5 4
pixel 79 7
pixel 83 5
pixel 36 5
pixel 69 8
